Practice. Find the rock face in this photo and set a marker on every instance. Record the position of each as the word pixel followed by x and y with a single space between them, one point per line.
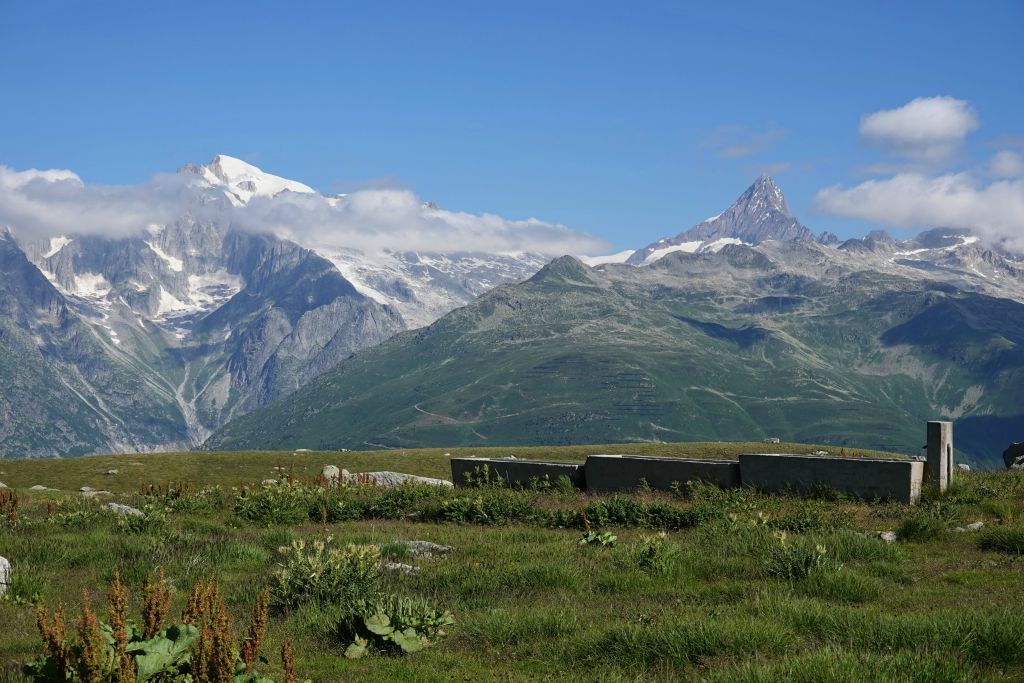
pixel 1013 456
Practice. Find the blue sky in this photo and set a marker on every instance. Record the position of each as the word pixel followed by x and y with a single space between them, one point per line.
pixel 630 121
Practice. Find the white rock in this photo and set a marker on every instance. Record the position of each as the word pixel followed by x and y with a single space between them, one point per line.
pixel 975 526
pixel 123 510
pixel 5 574
pixel 268 482
pixel 331 473
pixel 963 467
pixel 888 536
pixel 389 480
pixel 427 549
pixel 3 485
pixel 86 489
pixel 111 472
pixel 401 568
pixel 40 487
pixel 93 494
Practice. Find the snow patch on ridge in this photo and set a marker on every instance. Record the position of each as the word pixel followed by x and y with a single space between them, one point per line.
pixel 56 244
pixel 172 262
pixel 686 247
pixel 610 258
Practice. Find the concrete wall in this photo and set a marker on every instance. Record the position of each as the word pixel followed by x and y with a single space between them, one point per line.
pixel 864 477
pixel 519 472
pixel 622 472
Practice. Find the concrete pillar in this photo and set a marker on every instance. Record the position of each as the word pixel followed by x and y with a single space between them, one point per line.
pixel 939 468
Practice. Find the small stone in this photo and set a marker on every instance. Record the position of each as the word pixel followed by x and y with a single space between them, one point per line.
pixel 269 482
pixel 86 489
pixel 110 472
pixel 40 487
pixel 975 526
pixel 888 536
pixel 3 485
pixel 963 467
pixel 5 574
pixel 426 549
pixel 93 494
pixel 123 510
pixel 401 568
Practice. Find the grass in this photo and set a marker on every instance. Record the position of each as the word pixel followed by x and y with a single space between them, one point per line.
pixel 704 602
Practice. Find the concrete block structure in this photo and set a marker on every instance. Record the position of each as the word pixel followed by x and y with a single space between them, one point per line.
pixel 623 472
pixel 863 477
pixel 519 472
pixel 939 467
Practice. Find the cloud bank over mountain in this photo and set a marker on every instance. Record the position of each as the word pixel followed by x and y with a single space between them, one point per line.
pixel 928 133
pixel 44 204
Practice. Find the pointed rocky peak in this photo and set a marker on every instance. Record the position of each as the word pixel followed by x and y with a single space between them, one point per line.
pixel 763 195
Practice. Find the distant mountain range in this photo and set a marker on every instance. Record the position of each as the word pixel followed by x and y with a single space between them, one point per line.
pixel 195 331
pixel 154 340
pixel 745 326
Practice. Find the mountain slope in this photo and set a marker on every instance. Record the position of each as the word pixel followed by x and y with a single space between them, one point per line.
pixel 785 339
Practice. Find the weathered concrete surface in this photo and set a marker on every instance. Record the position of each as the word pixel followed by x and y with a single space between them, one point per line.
pixel 519 472
pixel 939 468
pixel 623 472
pixel 864 477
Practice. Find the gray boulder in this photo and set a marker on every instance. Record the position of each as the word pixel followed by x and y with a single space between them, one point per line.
pixel 5 574
pixel 3 485
pixel 390 480
pixel 40 487
pixel 963 467
pixel 401 568
pixel 123 510
pixel 1013 456
pixel 331 473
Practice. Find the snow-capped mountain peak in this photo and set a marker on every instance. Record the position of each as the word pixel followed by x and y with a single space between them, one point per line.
pixel 243 181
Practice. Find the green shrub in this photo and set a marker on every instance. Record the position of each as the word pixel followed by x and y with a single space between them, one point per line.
pixel 796 560
pixel 280 503
pixel 653 554
pixel 319 573
pixel 392 623
pixel 1007 539
pixel 605 539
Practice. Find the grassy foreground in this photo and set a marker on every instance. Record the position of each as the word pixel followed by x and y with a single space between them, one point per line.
pixel 742 586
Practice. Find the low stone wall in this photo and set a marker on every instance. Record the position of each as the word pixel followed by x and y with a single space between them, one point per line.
pixel 864 477
pixel 519 472
pixel 623 472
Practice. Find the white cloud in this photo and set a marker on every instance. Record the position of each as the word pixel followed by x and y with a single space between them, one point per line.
pixel 40 204
pixel 926 130
pixel 995 212
pixel 1007 164
pixel 43 204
